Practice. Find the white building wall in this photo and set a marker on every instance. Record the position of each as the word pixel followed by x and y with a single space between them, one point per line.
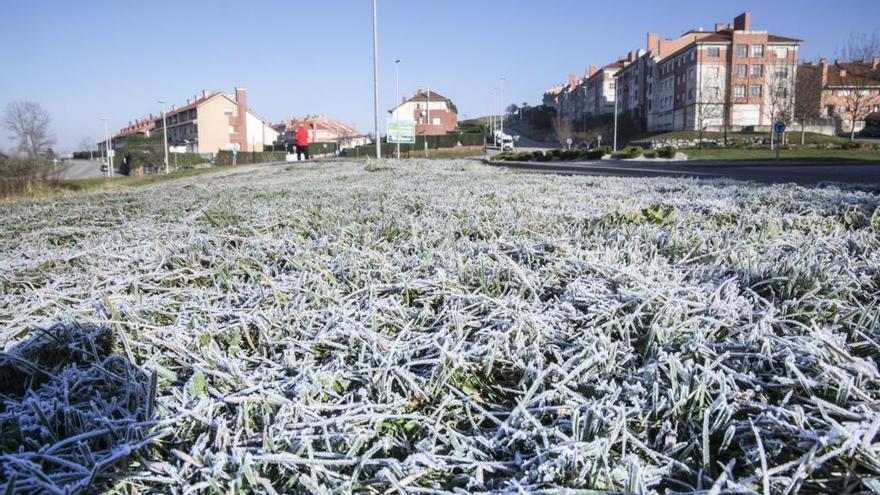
pixel 259 135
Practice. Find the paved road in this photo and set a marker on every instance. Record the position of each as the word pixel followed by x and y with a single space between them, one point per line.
pixel 81 169
pixel 801 173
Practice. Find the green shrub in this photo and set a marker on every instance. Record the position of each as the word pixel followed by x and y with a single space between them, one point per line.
pixel 630 152
pixel 598 153
pixel 539 156
pixel 555 153
pixel 665 152
pixel 569 155
pixel 853 146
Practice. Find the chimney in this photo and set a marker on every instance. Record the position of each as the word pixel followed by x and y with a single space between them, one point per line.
pixel 572 80
pixel 241 105
pixel 653 42
pixel 630 57
pixel 730 27
pixel 719 27
pixel 205 93
pixel 173 107
pixel 875 62
pixel 188 101
pixel 823 65
pixel 743 22
pixel 842 72
pixel 592 70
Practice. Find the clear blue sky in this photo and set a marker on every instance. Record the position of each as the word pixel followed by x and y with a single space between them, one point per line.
pixel 83 60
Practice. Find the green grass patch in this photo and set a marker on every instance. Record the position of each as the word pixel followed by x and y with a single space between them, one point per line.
pixel 785 155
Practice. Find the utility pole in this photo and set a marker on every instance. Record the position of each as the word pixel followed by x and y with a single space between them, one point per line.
pixel 396 103
pixel 109 161
pixel 503 113
pixel 428 119
pixel 165 135
pixel 376 83
pixel 616 94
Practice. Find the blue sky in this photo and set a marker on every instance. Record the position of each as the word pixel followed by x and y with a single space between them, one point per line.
pixel 85 60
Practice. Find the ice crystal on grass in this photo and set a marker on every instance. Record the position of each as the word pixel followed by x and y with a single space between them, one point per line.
pixel 441 327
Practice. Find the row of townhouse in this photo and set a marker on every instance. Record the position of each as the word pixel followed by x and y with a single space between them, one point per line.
pixel 212 122
pixel 732 75
pixel 848 91
pixel 206 124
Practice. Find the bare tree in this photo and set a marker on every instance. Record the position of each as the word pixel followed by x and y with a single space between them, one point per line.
pixel 781 93
pixel 862 76
pixel 710 101
pixel 29 124
pixel 85 144
pixel 562 130
pixel 808 96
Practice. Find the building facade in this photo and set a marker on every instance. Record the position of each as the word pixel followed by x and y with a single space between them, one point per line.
pixel 214 122
pixel 321 130
pixel 731 77
pixel 845 91
pixel 434 114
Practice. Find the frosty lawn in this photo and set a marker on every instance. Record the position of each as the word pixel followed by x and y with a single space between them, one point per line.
pixel 440 327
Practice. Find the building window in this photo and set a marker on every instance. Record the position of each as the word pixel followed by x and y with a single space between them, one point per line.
pixel 843 109
pixel 739 91
pixel 741 70
pixel 742 50
pixel 843 92
pixel 691 74
pixel 714 52
pixel 757 70
pixel 877 108
pixel 757 51
pixel 755 90
pixel 782 73
pixel 782 53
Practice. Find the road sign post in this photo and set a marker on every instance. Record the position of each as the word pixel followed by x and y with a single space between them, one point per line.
pixel 401 131
pixel 779 129
pixel 568 142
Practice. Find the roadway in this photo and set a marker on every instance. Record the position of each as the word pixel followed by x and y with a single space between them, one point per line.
pixel 80 169
pixel 805 173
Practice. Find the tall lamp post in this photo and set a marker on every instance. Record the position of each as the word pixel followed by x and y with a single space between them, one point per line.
pixel 503 112
pixel 107 149
pixel 397 102
pixel 165 135
pixel 616 97
pixel 376 83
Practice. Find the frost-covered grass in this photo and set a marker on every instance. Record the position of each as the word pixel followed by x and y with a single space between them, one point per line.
pixel 441 327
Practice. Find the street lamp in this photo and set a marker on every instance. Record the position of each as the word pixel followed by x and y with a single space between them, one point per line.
pixel 165 135
pixel 107 149
pixel 503 111
pixel 397 102
pixel 376 83
pixel 616 97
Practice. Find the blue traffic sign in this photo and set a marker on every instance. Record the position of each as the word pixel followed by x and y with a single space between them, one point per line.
pixel 779 127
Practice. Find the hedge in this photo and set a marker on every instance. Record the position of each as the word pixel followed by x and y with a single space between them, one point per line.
pixel 630 152
pixel 224 157
pixel 665 152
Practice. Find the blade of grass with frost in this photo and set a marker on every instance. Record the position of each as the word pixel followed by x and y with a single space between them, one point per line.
pixel 344 316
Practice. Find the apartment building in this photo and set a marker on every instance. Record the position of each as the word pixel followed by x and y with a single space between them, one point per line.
pixel 732 75
pixel 735 76
pixel 140 127
pixel 212 122
pixel 846 91
pixel 434 114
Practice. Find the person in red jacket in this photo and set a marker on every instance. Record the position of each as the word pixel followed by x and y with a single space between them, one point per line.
pixel 302 143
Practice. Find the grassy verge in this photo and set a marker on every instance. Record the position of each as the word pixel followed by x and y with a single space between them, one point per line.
pixel 785 155
pixel 44 188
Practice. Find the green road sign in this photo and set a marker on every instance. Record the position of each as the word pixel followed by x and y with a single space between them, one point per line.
pixel 401 131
